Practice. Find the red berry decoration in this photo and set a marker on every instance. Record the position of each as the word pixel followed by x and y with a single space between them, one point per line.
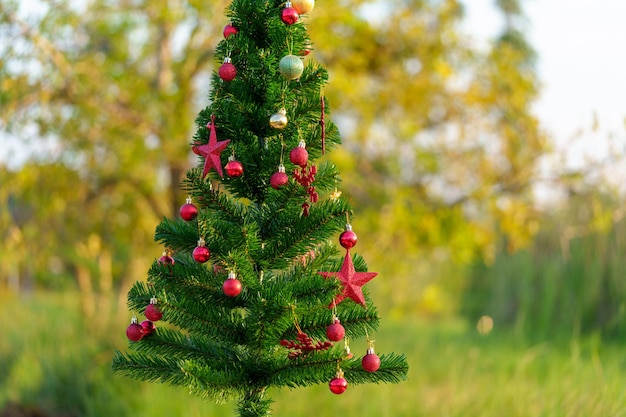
pixel 134 331
pixel 232 286
pixel 188 211
pixel 153 312
pixel 201 253
pixel 371 361
pixel 229 30
pixel 299 155
pixel 338 384
pixel 166 259
pixel 148 327
pixel 289 15
pixel 280 178
pixel 227 71
pixel 335 331
pixel 348 238
pixel 233 168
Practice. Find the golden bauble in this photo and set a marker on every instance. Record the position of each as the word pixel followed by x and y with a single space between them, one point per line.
pixel 279 120
pixel 303 6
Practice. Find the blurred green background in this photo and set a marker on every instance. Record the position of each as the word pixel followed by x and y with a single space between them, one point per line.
pixel 506 300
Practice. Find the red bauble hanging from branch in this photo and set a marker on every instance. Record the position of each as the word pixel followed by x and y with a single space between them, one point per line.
pixel 338 384
pixel 227 71
pixel 232 286
pixel 371 361
pixel 229 30
pixel 299 155
pixel 188 211
pixel 279 178
pixel 153 311
pixel 348 238
pixel 335 331
pixel 134 331
pixel 233 168
pixel 289 15
pixel 201 253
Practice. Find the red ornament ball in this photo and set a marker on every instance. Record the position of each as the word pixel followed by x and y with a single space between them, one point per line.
pixel 148 327
pixel 371 361
pixel 348 238
pixel 232 287
pixel 166 260
pixel 153 312
pixel 338 385
pixel 134 331
pixel 188 211
pixel 279 179
pixel 201 254
pixel 227 71
pixel 289 15
pixel 299 155
pixel 335 332
pixel 229 30
pixel 234 168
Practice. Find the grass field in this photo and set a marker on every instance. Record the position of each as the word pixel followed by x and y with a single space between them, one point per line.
pixel 53 359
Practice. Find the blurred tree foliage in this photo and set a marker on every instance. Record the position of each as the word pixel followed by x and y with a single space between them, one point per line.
pixel 441 148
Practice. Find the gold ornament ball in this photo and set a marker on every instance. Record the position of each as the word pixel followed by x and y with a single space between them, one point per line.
pixel 291 67
pixel 303 6
pixel 279 120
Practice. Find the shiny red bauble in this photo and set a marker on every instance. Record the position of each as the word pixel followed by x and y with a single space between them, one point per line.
pixel 234 168
pixel 201 254
pixel 348 238
pixel 227 71
pixel 148 327
pixel 229 30
pixel 279 179
pixel 231 287
pixel 338 385
pixel 188 211
pixel 299 155
pixel 371 361
pixel 289 15
pixel 134 331
pixel 335 332
pixel 153 312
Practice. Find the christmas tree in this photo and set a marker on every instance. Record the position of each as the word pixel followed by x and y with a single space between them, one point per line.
pixel 254 289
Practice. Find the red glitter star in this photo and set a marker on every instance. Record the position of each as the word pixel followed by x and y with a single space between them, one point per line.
pixel 352 281
pixel 211 151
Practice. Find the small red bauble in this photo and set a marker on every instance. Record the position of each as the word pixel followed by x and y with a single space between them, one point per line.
pixel 229 30
pixel 232 286
pixel 371 361
pixel 233 168
pixel 148 327
pixel 289 15
pixel 280 178
pixel 335 332
pixel 338 384
pixel 348 238
pixel 153 312
pixel 188 211
pixel 227 71
pixel 166 259
pixel 134 331
pixel 201 253
pixel 299 155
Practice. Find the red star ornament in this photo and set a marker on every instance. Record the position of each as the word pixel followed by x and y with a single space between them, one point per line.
pixel 212 151
pixel 352 281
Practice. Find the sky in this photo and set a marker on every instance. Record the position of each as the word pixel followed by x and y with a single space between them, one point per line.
pixel 582 67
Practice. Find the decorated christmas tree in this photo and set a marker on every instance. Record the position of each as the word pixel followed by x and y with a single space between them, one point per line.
pixel 252 287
